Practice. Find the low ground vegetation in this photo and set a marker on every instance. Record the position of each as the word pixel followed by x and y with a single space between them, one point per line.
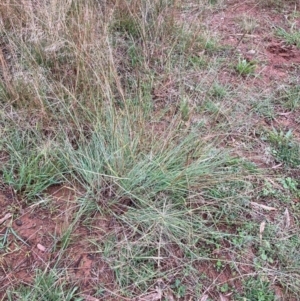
pixel 149 150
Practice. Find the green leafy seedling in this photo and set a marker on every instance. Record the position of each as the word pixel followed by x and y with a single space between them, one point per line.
pixel 245 67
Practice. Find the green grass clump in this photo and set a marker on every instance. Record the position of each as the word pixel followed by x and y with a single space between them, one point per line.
pixel 285 148
pixel 244 67
pixel 291 37
pixel 32 164
pixel 289 98
pixel 115 155
pixel 47 286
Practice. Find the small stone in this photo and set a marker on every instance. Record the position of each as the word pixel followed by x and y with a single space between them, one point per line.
pixel 41 247
pixel 251 52
pixel 19 223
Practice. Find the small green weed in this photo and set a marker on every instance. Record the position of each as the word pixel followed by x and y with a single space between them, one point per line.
pixel 244 236
pixel 224 288
pixel 244 67
pixel 265 253
pixel 179 288
pixel 269 190
pixel 290 184
pixel 257 290
pixel 219 265
pixel 219 91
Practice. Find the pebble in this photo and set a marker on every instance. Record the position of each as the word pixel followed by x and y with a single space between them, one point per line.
pixel 41 247
pixel 19 222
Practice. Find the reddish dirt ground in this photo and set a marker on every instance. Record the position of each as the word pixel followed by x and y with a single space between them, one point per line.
pixel 37 241
pixel 273 57
pixel 275 60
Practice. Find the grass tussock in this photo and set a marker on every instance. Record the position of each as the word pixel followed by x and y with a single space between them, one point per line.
pixel 124 102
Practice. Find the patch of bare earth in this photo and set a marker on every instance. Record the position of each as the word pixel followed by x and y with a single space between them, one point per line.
pixel 35 241
pixel 255 41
